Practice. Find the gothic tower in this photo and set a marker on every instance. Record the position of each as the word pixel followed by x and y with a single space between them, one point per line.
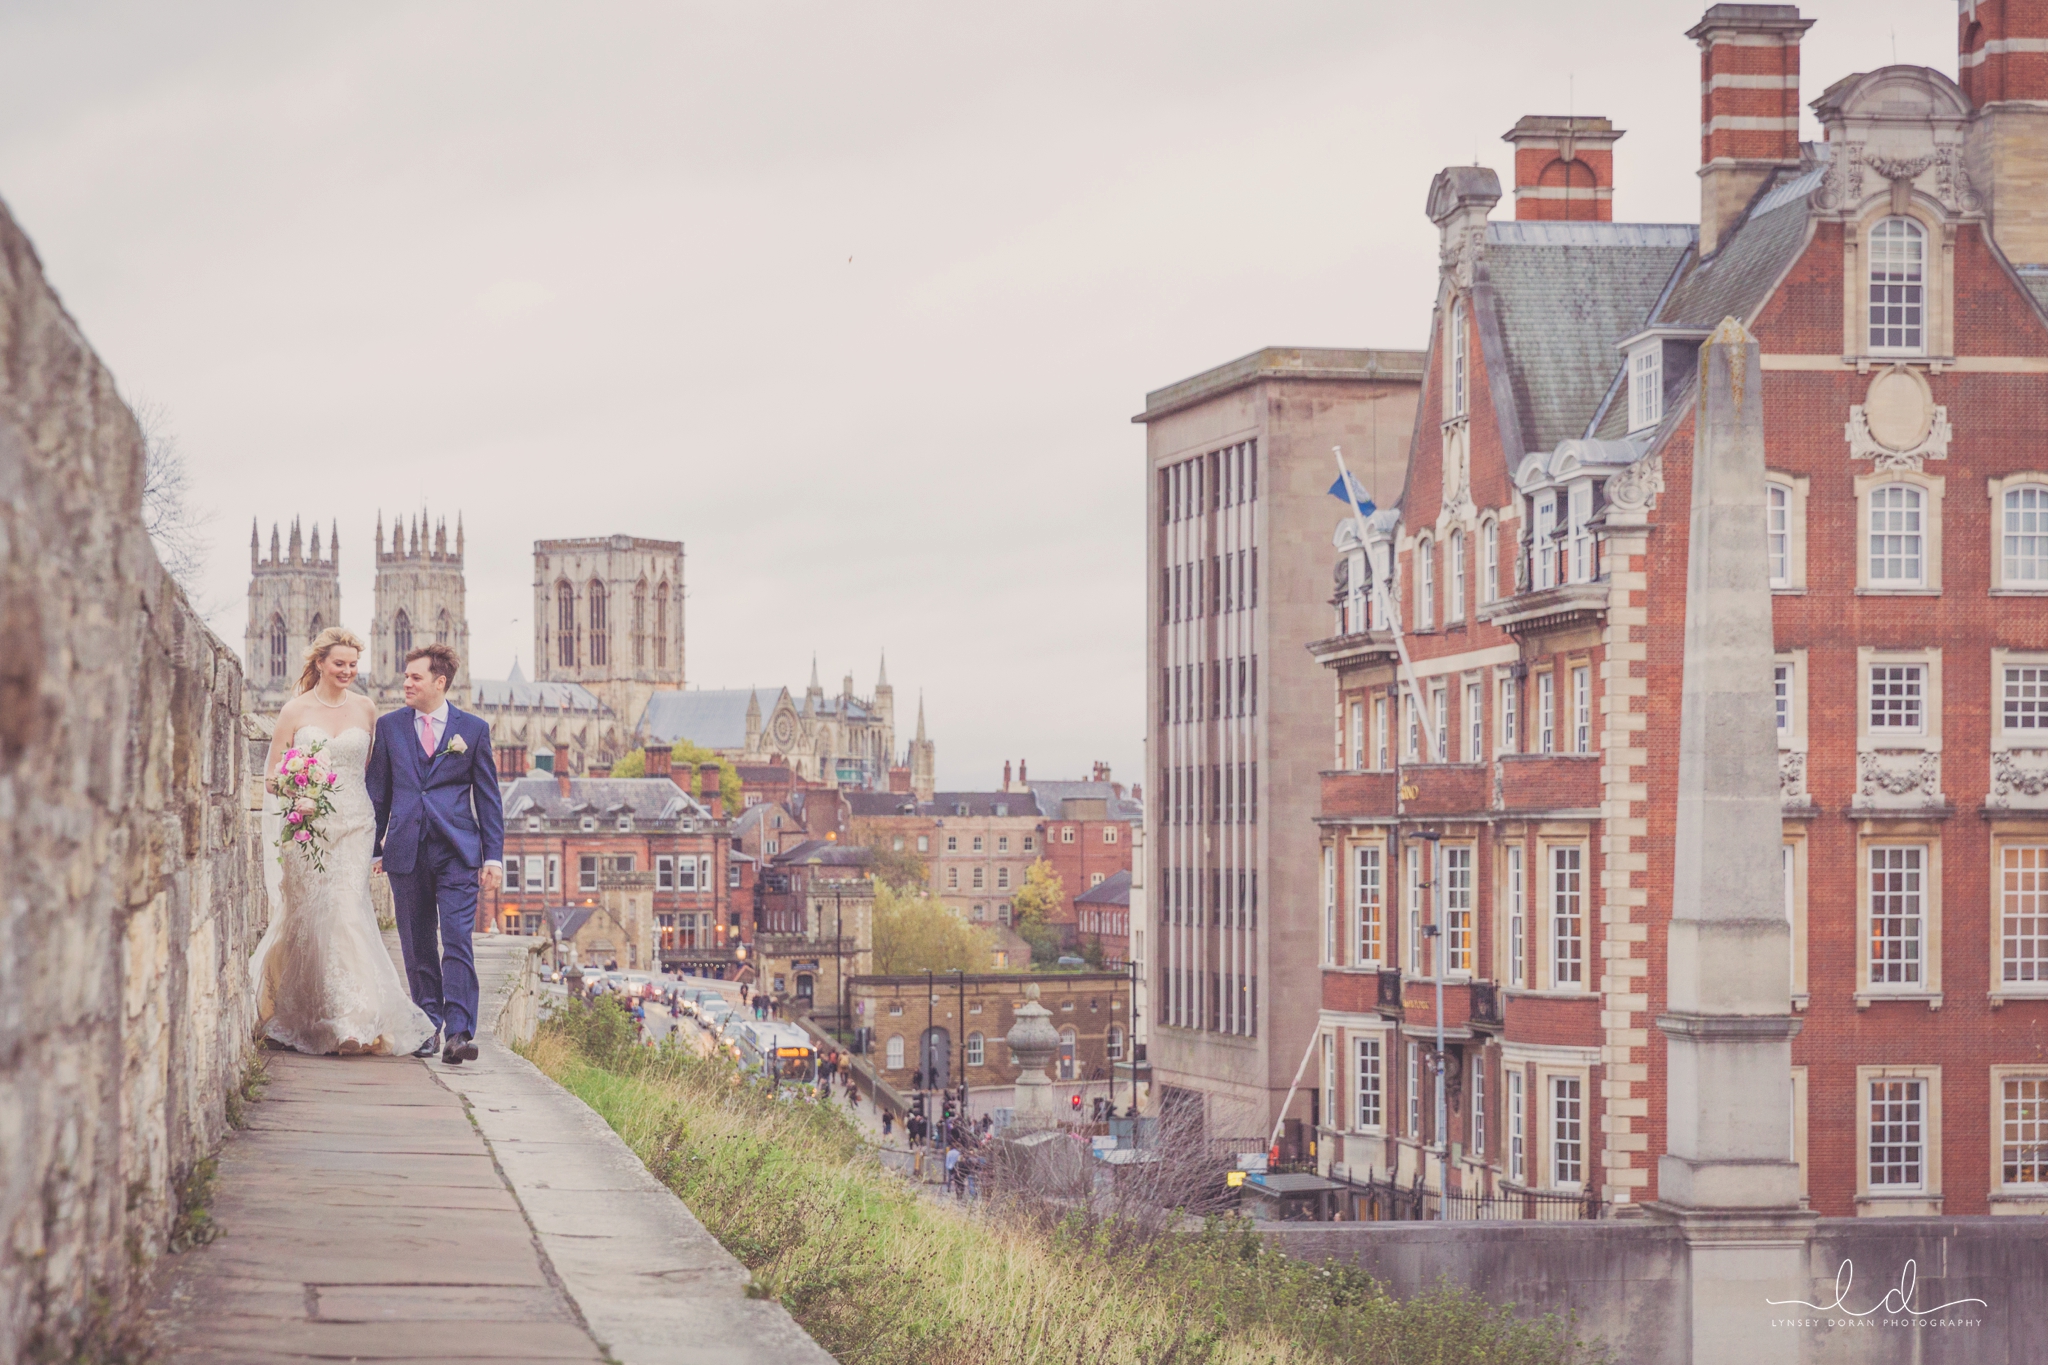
pixel 420 600
pixel 924 760
pixel 608 613
pixel 293 596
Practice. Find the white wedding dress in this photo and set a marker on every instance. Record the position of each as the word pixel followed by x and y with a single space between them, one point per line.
pixel 324 979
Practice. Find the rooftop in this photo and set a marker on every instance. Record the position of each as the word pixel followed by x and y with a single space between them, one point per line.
pixel 1285 362
pixel 651 799
pixel 1115 890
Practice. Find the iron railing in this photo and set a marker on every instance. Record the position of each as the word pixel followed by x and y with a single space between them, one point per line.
pixel 1384 1201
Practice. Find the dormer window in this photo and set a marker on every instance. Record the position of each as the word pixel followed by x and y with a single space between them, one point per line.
pixel 1583 567
pixel 1646 387
pixel 625 824
pixel 1542 552
pixel 588 824
pixel 1898 291
pixel 533 824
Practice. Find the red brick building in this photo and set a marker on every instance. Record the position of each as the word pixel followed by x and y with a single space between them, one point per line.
pixel 1086 835
pixel 1103 917
pixel 643 848
pixel 1894 277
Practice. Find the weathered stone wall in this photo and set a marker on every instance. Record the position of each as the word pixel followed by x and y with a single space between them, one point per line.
pixel 131 883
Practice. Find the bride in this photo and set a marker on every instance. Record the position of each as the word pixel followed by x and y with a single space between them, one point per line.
pixel 324 979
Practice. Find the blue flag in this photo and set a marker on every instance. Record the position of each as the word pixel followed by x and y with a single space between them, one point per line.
pixel 1356 492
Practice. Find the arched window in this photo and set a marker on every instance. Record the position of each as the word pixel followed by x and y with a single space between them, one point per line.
pixel 319 624
pixel 401 638
pixel 976 1050
pixel 640 624
pixel 1425 585
pixel 1489 560
pixel 1068 1040
pixel 1898 262
pixel 1456 392
pixel 442 629
pixel 894 1058
pixel 1896 558
pixel 280 647
pixel 1778 532
pixel 565 624
pixel 2026 535
pixel 661 625
pixel 600 626
pixel 1457 610
pixel 1116 1042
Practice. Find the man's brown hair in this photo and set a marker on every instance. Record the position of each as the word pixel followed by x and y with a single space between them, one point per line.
pixel 442 662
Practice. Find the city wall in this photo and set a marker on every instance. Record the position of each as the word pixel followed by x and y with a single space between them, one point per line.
pixel 1626 1282
pixel 131 879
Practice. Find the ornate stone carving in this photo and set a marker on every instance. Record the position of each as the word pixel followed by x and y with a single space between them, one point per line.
pixel 1460 253
pixel 1843 184
pixel 2018 773
pixel 1898 425
pixel 1792 777
pixel 1886 773
pixel 1899 170
pixel 1952 181
pixel 1636 487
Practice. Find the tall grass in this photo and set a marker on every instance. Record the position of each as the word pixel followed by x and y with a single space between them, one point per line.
pixel 877 1274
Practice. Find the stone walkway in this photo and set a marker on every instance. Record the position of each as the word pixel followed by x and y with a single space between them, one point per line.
pixel 390 1210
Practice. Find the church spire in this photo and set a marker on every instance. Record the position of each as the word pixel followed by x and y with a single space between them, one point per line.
pixel 254 543
pixel 920 718
pixel 275 543
pixel 458 535
pixel 334 547
pixel 295 541
pixel 380 533
pixel 882 672
pixel 316 544
pixel 814 687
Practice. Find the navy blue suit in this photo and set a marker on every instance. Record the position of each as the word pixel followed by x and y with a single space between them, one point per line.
pixel 439 820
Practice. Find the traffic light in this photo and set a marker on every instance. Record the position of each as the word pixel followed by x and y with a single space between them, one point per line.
pixel 917 1105
pixel 1075 1103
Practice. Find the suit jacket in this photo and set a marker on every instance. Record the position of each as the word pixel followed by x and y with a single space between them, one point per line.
pixel 453 794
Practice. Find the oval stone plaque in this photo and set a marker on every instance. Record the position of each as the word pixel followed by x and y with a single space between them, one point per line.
pixel 1899 409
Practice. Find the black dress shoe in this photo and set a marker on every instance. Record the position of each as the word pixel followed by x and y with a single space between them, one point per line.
pixel 461 1048
pixel 430 1047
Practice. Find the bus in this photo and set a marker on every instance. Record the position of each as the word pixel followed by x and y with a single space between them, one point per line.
pixel 782 1051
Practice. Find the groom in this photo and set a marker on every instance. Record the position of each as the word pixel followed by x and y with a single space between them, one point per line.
pixel 439 820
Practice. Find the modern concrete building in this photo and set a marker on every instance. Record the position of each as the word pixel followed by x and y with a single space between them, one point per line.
pixel 1238 526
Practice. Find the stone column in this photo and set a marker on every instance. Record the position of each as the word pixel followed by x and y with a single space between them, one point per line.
pixel 1033 1041
pixel 1727 1176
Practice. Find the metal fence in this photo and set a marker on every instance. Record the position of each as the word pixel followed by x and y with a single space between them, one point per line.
pixel 1384 1201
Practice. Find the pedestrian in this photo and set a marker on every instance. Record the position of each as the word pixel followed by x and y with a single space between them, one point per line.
pixel 888 1122
pixel 953 1170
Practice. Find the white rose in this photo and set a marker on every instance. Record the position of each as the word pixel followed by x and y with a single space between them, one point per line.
pixel 305 805
pixel 295 765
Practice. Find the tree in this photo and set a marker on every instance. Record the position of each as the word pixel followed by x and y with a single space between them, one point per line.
pixel 695 755
pixel 1042 896
pixel 632 765
pixel 915 933
pixel 901 869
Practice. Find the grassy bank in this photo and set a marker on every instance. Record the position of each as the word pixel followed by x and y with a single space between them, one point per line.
pixel 877 1274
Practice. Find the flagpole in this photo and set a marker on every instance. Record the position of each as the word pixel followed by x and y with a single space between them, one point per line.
pixel 1388 605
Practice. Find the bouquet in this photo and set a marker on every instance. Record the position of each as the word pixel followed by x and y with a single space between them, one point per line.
pixel 305 783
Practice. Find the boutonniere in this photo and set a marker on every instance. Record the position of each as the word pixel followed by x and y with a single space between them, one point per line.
pixel 457 745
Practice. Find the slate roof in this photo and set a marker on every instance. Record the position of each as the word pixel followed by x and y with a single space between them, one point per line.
pixel 1115 890
pixel 756 814
pixel 1564 294
pixel 1050 794
pixel 823 853
pixel 567 921
pixel 982 804
pixel 2035 278
pixel 712 719
pixel 884 803
pixel 516 691
pixel 652 800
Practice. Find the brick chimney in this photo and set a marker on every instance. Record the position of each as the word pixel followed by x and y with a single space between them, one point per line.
pixel 1006 774
pixel 659 761
pixel 562 782
pixel 2002 62
pixel 1749 106
pixel 707 786
pixel 1564 168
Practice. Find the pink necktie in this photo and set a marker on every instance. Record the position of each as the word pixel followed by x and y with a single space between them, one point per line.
pixel 427 734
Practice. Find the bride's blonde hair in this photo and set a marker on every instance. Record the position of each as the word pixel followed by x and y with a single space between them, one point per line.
pixel 324 644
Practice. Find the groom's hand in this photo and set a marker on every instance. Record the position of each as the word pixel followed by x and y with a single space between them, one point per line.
pixel 376 867
pixel 491 878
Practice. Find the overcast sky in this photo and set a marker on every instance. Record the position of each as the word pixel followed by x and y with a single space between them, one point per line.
pixel 855 299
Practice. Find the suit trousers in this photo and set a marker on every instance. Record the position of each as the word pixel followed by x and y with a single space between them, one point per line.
pixel 435 905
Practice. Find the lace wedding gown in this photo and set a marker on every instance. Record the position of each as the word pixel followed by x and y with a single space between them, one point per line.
pixel 324 980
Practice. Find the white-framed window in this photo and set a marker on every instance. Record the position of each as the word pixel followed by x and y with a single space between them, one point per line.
pixel 664 873
pixel 1582 710
pixel 2023 701
pixel 1379 733
pixel 1898 699
pixel 1475 723
pixel 893 1052
pixel 1567 1132
pixel 533 824
pixel 1368 908
pixel 2023 1131
pixel 1489 560
pixel 1113 1042
pixel 1898 915
pixel 977 843
pixel 1898 1133
pixel 977 1049
pixel 1457 576
pixel 1897 536
pixel 1479 1107
pixel 1517 916
pixel 1584 566
pixel 1002 879
pixel 1508 739
pixel 1096 879
pixel 1646 386
pixel 1414 890
pixel 1567 916
pixel 1330 1113
pixel 1329 904
pixel 2023 538
pixel 691 877
pixel 536 872
pixel 1414 1090
pixel 1781 699
pixel 924 843
pixel 952 843
pixel 1898 287
pixel 1425 584
pixel 1414 726
pixel 1778 533
pixel 978 876
pixel 1440 704
pixel 588 824
pixel 554 872
pixel 1031 842
pixel 1357 712
pixel 1457 905
pixel 1518 1157
pixel 1365 1053
pixel 1002 843
pixel 1546 712
pixel 1543 550
pixel 2023 912
pixel 1455 394
pixel 952 879
pixel 586 872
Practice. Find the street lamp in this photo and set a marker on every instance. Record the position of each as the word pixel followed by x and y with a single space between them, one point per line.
pixel 1434 931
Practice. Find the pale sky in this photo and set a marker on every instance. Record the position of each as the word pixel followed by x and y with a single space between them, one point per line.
pixel 855 299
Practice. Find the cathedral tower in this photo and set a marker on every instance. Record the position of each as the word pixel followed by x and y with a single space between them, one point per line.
pixel 608 613
pixel 420 600
pixel 293 596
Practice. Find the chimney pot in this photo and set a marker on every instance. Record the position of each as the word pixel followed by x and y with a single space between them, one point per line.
pixel 659 761
pixel 1564 167
pixel 1749 107
pixel 707 787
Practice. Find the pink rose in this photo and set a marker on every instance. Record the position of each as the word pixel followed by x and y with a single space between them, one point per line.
pixel 301 779
pixel 334 779
pixel 304 836
pixel 294 818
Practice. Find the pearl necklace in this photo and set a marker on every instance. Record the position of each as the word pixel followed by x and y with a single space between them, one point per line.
pixel 330 705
